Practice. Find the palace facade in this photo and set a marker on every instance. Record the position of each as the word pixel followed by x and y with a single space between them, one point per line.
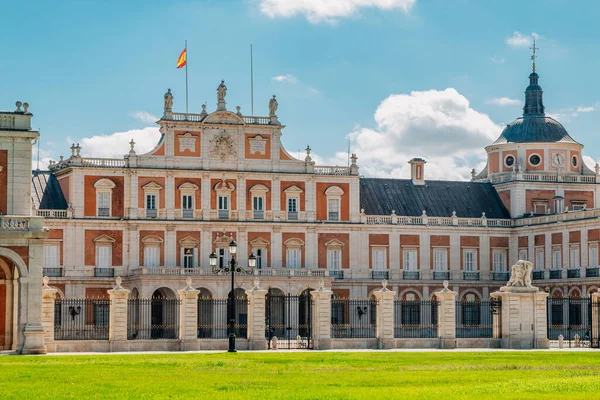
pixel 153 219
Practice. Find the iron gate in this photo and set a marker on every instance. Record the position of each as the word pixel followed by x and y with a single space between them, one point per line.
pixel 288 320
pixel 572 317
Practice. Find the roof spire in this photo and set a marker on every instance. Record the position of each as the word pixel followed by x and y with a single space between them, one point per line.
pixel 533 55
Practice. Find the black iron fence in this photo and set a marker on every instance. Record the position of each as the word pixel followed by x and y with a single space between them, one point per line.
pixel 571 317
pixel 213 318
pixel 81 319
pixel 155 318
pixel 351 318
pixel 416 319
pixel 477 319
pixel 289 318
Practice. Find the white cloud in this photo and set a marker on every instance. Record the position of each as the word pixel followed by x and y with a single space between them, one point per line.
pixel 145 117
pixel 585 109
pixel 504 101
pixel 287 78
pixel 329 11
pixel 438 125
pixel 496 60
pixel 116 145
pixel 589 162
pixel 519 39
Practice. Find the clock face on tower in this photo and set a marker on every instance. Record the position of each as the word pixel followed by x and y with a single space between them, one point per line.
pixel 558 160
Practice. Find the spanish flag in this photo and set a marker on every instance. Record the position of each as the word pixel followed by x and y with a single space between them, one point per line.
pixel 182 60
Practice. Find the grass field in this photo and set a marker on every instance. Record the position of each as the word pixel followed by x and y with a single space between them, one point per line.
pixel 305 375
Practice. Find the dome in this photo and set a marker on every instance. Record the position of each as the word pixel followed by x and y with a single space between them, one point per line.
pixel 534 128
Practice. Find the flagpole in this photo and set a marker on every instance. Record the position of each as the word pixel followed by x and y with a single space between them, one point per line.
pixel 251 82
pixel 186 78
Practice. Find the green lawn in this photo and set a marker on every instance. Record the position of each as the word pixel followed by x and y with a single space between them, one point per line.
pixel 305 375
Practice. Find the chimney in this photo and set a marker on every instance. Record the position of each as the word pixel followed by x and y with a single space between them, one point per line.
pixel 417 171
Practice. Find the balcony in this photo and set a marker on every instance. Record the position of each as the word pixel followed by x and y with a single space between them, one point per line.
pixel 380 275
pixel 537 275
pixel 336 274
pixel 54 272
pixel 151 212
pixel 410 275
pixel 441 275
pixel 104 272
pixel 223 214
pixel 258 214
pixel 593 272
pixel 177 271
pixel 333 216
pixel 555 274
pixel 292 216
pixel 187 213
pixel 574 273
pixel 104 212
pixel 471 275
pixel 500 276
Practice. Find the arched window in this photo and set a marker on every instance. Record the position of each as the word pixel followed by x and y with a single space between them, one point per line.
pixel 334 199
pixel 104 188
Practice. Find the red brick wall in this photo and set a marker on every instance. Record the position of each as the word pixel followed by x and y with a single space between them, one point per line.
pixel 557 238
pixel 117 246
pixel 593 235
pixel 4 182
pixel 575 237
pixel 187 152
pixel 65 186
pixel 22 251
pixel 381 240
pixel 505 197
pixel 58 234
pixel 538 194
pixel 540 166
pixel 578 195
pixel 326 237
pixel 540 240
pixel 322 201
pixel 117 198
pixel 523 241
pixel 286 184
pixel 493 162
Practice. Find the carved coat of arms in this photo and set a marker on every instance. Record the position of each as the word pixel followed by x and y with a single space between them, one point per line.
pixel 222 146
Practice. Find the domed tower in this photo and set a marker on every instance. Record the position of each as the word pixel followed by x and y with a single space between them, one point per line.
pixel 535 160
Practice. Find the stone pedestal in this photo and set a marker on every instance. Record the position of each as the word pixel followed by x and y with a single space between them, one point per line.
pixel 595 319
pixel 523 317
pixel 48 298
pixel 447 317
pixel 117 333
pixel 188 316
pixel 321 318
pixel 385 317
pixel 256 317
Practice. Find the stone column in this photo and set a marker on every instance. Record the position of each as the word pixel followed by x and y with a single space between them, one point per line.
pixel 321 317
pixel 117 334
pixel 595 298
pixel 385 316
pixel 447 317
pixel 524 317
pixel 30 302
pixel 256 317
pixel 48 298
pixel 188 316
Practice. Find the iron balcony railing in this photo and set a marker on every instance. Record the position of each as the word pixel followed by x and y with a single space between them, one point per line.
pixel 54 272
pixel 104 212
pixel 292 216
pixel 336 274
pixel 379 275
pixel 410 275
pixel 441 275
pixel 187 213
pixel 471 275
pixel 223 214
pixel 151 212
pixel 500 276
pixel 537 275
pixel 258 214
pixel 555 274
pixel 592 272
pixel 104 272
pixel 573 273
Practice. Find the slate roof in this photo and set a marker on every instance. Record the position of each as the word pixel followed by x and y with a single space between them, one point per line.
pixel 46 193
pixel 534 129
pixel 439 198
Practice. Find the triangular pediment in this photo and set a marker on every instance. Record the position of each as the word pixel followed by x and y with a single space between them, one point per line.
pixel 103 239
pixel 152 186
pixel 334 243
pixel 259 241
pixel 293 189
pixel 189 241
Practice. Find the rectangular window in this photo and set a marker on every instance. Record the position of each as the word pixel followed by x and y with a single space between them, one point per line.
pixel 574 257
pixel 151 202
pixel 539 208
pixel 539 259
pixel 470 260
pixel 151 256
pixel 499 259
pixel 556 258
pixel 333 209
pixel 593 255
pixel 188 258
pixel 440 259
pixel 187 206
pixel 293 258
pixel 523 254
pixel 223 255
pixel 410 260
pixel 51 256
pixel 379 259
pixel 334 259
pixel 103 257
pixel 261 258
pixel 258 207
pixel 292 209
pixel 103 204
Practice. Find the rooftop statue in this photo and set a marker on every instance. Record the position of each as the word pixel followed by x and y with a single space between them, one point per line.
pixel 221 91
pixel 168 100
pixel 273 107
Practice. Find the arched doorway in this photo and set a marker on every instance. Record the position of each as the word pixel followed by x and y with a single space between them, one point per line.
pixel 164 314
pixel 304 313
pixel 7 301
pixel 206 322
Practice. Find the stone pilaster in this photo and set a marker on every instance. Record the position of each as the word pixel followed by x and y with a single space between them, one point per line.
pixel 33 331
pixel 385 316
pixel 188 316
pixel 447 317
pixel 48 298
pixel 117 333
pixel 321 318
pixel 595 319
pixel 256 317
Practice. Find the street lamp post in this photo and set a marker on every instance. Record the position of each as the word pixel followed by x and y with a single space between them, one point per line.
pixel 232 267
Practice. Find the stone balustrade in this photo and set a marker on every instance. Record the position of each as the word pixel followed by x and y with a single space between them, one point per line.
pixel 530 177
pixel 10 223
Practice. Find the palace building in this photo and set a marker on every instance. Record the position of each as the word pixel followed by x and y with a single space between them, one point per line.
pixel 213 177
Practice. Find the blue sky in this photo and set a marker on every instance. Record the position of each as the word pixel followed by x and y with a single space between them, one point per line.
pixel 88 68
